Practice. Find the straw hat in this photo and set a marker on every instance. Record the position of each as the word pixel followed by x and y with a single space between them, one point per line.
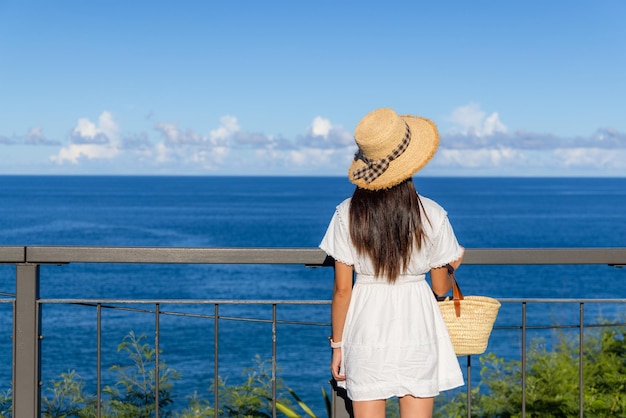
pixel 391 148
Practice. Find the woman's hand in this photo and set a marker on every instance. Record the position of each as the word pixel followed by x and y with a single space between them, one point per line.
pixel 335 364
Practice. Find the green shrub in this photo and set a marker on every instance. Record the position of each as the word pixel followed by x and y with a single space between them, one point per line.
pixel 551 386
pixel 134 394
pixel 252 397
pixel 196 408
pixel 66 398
pixel 552 382
pixel 6 401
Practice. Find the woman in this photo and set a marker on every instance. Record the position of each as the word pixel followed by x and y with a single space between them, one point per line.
pixel 388 336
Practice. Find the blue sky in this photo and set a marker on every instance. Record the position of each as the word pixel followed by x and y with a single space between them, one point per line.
pixel 276 87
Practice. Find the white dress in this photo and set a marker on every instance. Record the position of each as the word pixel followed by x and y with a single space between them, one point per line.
pixel 394 340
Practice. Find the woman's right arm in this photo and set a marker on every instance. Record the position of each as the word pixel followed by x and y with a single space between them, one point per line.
pixel 342 292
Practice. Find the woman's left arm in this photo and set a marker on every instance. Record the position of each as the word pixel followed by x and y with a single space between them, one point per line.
pixel 440 281
pixel 342 292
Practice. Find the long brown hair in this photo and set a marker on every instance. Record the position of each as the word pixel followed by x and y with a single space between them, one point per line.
pixel 386 224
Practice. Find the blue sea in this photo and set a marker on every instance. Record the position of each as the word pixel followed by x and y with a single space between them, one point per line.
pixel 276 212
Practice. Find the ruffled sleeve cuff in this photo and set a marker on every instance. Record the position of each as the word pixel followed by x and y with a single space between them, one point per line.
pixel 336 241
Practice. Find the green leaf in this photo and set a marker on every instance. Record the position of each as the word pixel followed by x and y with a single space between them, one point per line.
pixel 302 405
pixel 290 413
pixel 327 402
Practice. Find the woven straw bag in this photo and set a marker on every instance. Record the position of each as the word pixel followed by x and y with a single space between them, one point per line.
pixel 469 319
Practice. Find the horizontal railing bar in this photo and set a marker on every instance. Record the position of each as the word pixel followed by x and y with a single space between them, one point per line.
pixel 291 301
pixel 307 256
pixel 96 302
pixel 10 254
pixel 192 315
pixel 570 326
pixel 547 300
pixel 187 301
pixel 177 255
pixel 541 256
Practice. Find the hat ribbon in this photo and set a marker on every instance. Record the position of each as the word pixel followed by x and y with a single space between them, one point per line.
pixel 375 168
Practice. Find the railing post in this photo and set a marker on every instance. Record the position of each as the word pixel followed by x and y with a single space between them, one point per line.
pixel 26 343
pixel 469 386
pixel 216 361
pixel 581 362
pixel 524 330
pixel 274 362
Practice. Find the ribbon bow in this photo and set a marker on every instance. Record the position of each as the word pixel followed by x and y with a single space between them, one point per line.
pixel 375 168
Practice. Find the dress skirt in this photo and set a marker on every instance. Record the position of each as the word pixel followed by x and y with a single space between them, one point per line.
pixel 395 341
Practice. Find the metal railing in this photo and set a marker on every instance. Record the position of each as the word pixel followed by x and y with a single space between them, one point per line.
pixel 27 302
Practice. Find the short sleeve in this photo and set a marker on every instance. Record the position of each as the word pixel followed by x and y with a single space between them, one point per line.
pixel 336 242
pixel 445 247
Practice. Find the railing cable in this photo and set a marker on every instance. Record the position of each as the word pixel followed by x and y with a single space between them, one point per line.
pixel 156 360
pixel 524 359
pixel 581 383
pixel 216 375
pixel 99 361
pixel 274 366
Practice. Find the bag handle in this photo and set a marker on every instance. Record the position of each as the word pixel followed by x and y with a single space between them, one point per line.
pixel 457 295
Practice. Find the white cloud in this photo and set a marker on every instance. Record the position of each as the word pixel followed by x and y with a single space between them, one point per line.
pixel 91 141
pixel 221 152
pixel 605 138
pixel 195 151
pixel 211 159
pixel 33 137
pixel 297 158
pixel 492 125
pixel 175 137
pixel 254 140
pixel 483 158
pixel 162 153
pixel 313 161
pixel 323 134
pixel 86 129
pixel 313 157
pixel 471 120
pixel 592 157
pixel 74 152
pixel 479 144
pixel 220 136
pixel 321 127
pixel 228 127
pixel 169 130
